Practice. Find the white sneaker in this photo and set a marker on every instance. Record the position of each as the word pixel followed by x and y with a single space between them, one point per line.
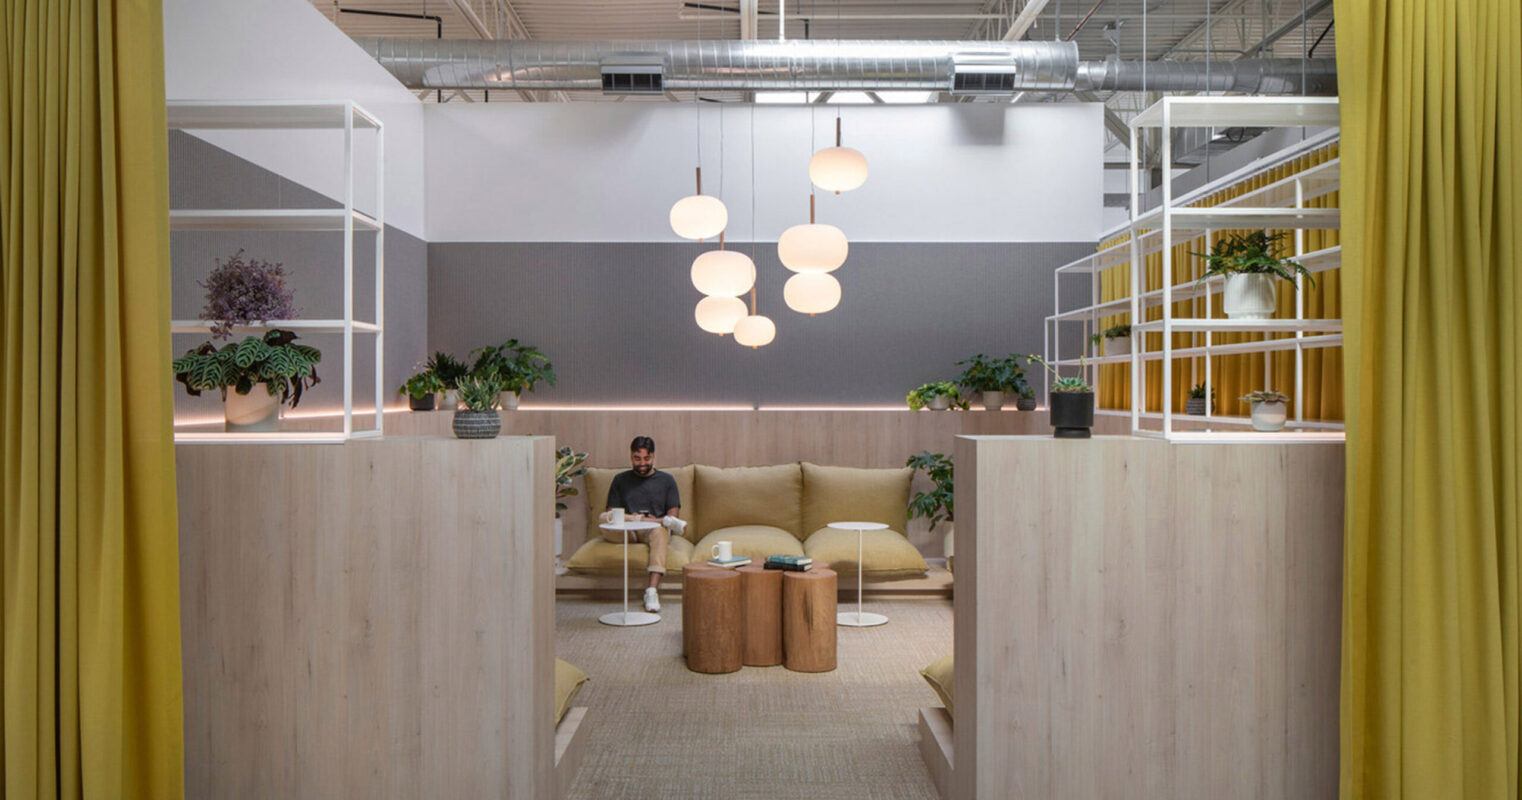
pixel 652 600
pixel 673 524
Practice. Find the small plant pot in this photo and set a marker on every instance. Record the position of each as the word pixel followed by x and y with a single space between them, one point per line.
pixel 1195 406
pixel 938 403
pixel 508 400
pixel 451 401
pixel 1269 417
pixel 993 401
pixel 1072 414
pixel 423 403
pixel 254 412
pixel 1118 346
pixel 1025 403
pixel 477 424
pixel 1249 296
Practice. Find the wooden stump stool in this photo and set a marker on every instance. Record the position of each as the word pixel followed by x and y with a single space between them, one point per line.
pixel 712 626
pixel 761 606
pixel 696 566
pixel 808 620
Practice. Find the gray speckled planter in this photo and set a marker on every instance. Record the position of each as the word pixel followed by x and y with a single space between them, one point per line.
pixel 477 424
pixel 1025 403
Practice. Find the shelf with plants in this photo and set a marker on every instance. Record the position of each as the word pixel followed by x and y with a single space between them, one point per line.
pixel 275 116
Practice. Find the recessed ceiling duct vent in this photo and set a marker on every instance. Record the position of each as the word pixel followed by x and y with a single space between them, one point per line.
pixel 983 75
pixel 632 78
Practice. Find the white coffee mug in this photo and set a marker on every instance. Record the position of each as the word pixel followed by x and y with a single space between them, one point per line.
pixel 615 516
pixel 724 551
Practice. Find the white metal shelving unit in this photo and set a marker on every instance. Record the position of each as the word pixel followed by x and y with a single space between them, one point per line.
pixel 1278 205
pixel 272 115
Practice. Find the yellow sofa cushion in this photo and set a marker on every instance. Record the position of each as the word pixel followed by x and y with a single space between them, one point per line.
pixel 887 554
pixel 601 557
pixel 852 494
pixel 568 681
pixel 753 541
pixel 939 676
pixel 598 479
pixel 731 496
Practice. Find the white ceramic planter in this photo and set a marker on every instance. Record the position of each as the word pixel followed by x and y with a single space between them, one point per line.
pixel 1249 296
pixel 252 412
pixel 939 403
pixel 993 401
pixel 1268 416
pixel 1118 346
pixel 508 400
pixel 449 400
pixel 559 537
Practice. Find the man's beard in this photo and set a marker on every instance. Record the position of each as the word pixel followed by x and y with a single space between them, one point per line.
pixel 644 471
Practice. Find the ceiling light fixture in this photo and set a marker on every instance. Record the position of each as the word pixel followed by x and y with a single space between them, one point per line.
pixel 754 330
pixel 838 169
pixel 719 314
pixel 699 216
pixel 813 247
pixel 811 292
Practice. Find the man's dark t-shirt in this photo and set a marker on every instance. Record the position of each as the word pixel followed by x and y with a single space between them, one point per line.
pixel 653 495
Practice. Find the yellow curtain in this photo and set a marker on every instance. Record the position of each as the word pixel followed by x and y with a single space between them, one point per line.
pixel 1233 375
pixel 1432 140
pixel 89 585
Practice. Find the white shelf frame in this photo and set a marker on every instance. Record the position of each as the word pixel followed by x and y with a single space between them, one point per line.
pixel 1280 204
pixel 275 115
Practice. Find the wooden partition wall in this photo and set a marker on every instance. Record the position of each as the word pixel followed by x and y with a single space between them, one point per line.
pixel 1140 619
pixel 372 619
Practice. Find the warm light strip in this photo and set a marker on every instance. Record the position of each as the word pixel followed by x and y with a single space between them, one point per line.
pixel 634 408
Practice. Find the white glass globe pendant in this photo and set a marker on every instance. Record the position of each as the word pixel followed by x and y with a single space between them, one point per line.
pixel 699 216
pixel 719 314
pixel 838 169
pixel 813 247
pixel 811 292
pixel 723 273
pixel 755 331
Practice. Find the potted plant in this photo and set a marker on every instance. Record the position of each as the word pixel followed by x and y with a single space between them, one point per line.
pixel 1268 410
pixel 1115 341
pixel 569 465
pixel 420 390
pixel 243 292
pixel 992 377
pixel 521 366
pixel 1250 264
pixel 1026 401
pixel 477 416
pixel 936 505
pixel 449 370
pixel 1196 403
pixel 262 371
pixel 1070 403
pixel 937 396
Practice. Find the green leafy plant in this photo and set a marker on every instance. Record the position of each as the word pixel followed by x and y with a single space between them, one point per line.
pixel 921 397
pixel 479 392
pixel 422 384
pixel 985 374
pixel 569 464
pixel 1254 252
pixel 1198 392
pixel 1116 332
pixel 448 369
pixel 520 366
pixel 285 368
pixel 936 505
pixel 1267 396
pixel 1059 383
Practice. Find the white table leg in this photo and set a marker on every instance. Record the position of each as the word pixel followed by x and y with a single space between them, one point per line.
pixel 860 619
pixel 628 618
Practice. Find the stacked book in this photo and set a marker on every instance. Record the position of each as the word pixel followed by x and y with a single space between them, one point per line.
pixel 789 563
pixel 729 563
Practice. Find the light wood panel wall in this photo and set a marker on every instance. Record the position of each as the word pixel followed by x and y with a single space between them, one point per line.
pixel 1139 619
pixel 353 630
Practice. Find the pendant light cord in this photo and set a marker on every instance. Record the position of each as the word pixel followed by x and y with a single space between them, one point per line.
pixel 753 236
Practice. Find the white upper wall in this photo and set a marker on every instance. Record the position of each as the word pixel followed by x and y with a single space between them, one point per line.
pixel 970 172
pixel 287 50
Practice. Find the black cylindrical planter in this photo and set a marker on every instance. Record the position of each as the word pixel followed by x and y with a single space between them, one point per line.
pixel 1024 403
pixel 476 424
pixel 424 403
pixel 1072 414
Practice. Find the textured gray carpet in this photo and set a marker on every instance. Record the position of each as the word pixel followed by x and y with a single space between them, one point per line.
pixel 659 731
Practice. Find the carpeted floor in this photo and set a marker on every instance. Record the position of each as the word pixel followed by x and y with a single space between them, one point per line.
pixel 659 731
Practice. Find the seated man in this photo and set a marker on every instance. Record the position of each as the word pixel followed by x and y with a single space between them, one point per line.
pixel 646 493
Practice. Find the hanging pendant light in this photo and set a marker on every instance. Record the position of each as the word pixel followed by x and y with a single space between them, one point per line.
pixel 838 169
pixel 755 331
pixel 699 216
pixel 719 314
pixel 813 247
pixel 723 273
pixel 811 292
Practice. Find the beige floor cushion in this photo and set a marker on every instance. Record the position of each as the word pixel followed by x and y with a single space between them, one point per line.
pixel 601 557
pixel 939 676
pixel 568 681
pixel 887 554
pixel 598 479
pixel 733 496
pixel 755 542
pixel 853 494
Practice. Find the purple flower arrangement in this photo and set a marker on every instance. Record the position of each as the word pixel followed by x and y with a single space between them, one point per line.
pixel 242 291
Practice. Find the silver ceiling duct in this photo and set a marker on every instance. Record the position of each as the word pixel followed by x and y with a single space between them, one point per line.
pixel 956 67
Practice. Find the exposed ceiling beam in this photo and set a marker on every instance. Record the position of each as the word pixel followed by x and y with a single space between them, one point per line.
pixel 1113 123
pixel 1216 15
pixel 1284 30
pixel 1025 20
pixel 515 30
pixel 749 18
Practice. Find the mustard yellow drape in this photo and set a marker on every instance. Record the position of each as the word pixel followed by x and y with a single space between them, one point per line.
pixel 89 592
pixel 1432 141
pixel 1233 375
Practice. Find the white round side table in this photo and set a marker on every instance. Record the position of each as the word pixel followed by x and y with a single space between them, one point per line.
pixel 859 618
pixel 627 618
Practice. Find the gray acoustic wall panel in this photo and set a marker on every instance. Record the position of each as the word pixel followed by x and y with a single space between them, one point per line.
pixel 202 175
pixel 617 318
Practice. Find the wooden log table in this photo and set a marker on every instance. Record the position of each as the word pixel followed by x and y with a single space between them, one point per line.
pixel 761 608
pixel 712 625
pixel 808 620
